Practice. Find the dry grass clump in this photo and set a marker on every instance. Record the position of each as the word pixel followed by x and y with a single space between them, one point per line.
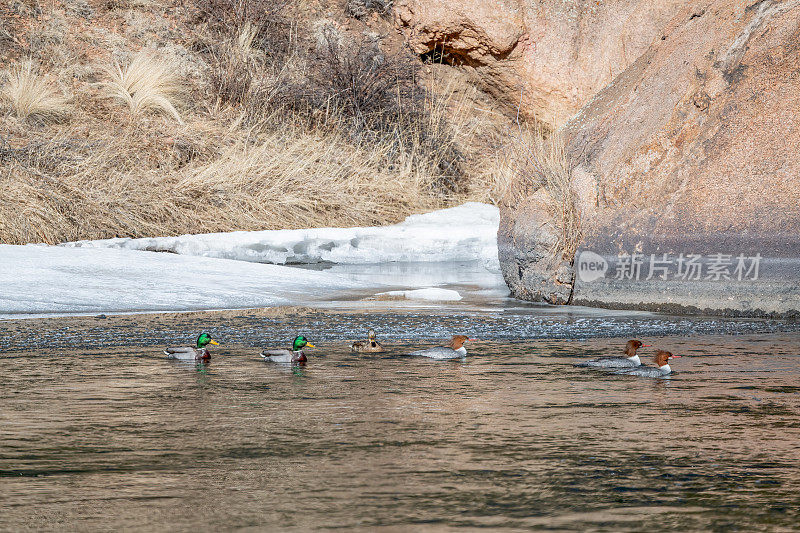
pixel 251 47
pixel 59 189
pixel 537 160
pixel 130 4
pixel 147 83
pixel 309 180
pixel 101 191
pixel 31 96
pixel 244 77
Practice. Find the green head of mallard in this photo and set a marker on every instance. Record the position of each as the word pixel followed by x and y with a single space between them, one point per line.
pixel 204 340
pixel 301 342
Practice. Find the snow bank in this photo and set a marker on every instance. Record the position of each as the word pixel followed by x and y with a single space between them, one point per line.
pixel 464 233
pixel 430 293
pixel 450 247
pixel 48 279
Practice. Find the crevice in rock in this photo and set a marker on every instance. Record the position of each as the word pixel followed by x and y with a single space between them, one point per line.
pixel 440 55
pixel 697 14
pixel 572 282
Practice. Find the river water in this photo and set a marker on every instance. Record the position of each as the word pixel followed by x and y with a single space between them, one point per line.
pixel 98 431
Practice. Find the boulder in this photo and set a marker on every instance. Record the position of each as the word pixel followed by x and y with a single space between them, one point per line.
pixel 526 237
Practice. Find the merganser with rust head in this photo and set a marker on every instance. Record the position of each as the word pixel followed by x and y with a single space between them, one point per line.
pixel 454 350
pixel 295 355
pixel 630 360
pixel 662 367
pixel 368 346
pixel 200 353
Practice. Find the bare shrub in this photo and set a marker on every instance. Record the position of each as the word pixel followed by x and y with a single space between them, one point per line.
pixel 231 75
pixel 348 87
pixel 272 29
pixel 145 84
pixel 244 76
pixel 361 8
pixel 7 35
pixel 373 90
pixel 32 96
pixel 354 87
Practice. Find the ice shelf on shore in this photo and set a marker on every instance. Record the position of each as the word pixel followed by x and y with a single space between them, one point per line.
pixel 464 233
pixel 40 279
pixel 415 259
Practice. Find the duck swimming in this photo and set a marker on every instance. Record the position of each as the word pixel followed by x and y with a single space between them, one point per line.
pixel 454 350
pixel 200 353
pixel 662 367
pixel 630 360
pixel 295 355
pixel 368 346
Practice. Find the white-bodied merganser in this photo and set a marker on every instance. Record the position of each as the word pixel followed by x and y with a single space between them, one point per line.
pixel 454 350
pixel 630 360
pixel 662 367
pixel 295 355
pixel 189 353
pixel 368 346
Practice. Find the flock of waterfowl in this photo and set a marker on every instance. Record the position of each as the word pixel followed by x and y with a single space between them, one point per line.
pixel 629 363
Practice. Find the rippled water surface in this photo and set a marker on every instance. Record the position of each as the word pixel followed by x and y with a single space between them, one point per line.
pixel 512 437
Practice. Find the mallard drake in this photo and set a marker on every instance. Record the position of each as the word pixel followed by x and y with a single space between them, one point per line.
pixel 368 346
pixel 200 353
pixel 454 350
pixel 295 355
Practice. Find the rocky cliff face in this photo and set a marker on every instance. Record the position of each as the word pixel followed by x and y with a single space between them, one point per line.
pixel 546 56
pixel 686 172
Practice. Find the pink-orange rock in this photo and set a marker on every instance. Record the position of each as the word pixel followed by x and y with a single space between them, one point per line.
pixel 548 57
pixel 693 149
pixel 700 136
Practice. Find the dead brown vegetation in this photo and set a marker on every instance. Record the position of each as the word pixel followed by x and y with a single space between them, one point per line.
pixel 252 120
pixel 536 160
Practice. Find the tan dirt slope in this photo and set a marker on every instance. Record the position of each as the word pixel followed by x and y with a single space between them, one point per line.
pixel 162 117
